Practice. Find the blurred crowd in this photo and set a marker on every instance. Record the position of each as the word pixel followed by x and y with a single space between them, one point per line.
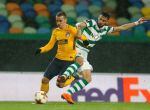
pixel 38 16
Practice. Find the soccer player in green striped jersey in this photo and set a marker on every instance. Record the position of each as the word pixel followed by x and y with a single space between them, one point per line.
pixel 94 32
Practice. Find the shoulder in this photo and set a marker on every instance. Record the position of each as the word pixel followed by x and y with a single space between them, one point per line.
pixel 54 30
pixel 94 21
pixel 90 22
pixel 71 27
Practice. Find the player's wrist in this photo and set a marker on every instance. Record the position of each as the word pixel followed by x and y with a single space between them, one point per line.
pixel 38 51
pixel 136 23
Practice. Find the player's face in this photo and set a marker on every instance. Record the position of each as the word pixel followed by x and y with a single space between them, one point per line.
pixel 102 21
pixel 61 21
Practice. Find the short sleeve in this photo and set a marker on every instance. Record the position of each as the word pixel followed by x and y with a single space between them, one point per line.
pixel 109 29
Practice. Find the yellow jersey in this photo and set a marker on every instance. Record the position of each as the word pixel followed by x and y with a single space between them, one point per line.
pixel 65 39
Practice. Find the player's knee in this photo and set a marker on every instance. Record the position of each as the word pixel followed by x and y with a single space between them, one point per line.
pixel 87 75
pixel 88 79
pixel 45 80
pixel 79 60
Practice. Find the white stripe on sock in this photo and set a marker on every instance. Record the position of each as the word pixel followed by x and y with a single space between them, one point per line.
pixel 77 86
pixel 81 82
pixel 75 66
pixel 72 71
pixel 72 90
pixel 67 73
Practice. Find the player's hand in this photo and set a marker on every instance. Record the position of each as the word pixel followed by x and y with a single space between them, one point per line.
pixel 141 21
pixel 86 43
pixel 38 51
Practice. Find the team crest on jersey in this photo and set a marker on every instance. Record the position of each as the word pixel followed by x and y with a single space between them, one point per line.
pixel 67 34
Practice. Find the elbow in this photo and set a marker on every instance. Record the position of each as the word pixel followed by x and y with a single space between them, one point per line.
pixel 43 50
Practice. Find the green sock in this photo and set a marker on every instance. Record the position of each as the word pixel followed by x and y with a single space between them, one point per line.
pixel 77 86
pixel 71 69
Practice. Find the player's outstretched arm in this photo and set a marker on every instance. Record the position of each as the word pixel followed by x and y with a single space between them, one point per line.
pixel 129 25
pixel 48 46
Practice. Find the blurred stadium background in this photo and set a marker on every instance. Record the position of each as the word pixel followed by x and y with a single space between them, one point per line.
pixel 122 59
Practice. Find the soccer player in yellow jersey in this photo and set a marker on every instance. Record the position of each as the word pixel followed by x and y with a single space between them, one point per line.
pixel 65 36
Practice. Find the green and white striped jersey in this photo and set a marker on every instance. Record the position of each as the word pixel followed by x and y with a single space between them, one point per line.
pixel 93 34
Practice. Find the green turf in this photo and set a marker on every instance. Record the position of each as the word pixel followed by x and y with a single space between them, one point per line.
pixel 77 106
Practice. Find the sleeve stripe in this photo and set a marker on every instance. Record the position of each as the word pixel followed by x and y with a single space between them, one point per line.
pixel 110 29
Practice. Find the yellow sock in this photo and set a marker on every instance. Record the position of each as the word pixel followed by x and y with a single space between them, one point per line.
pixel 69 81
pixel 83 38
pixel 45 87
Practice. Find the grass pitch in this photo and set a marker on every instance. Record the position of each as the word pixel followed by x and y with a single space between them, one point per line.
pixel 77 106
